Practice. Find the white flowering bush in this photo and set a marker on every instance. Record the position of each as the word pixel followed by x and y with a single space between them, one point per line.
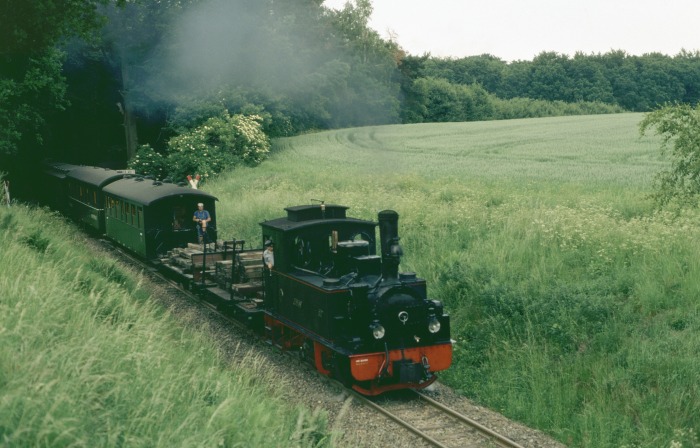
pixel 219 144
pixel 148 162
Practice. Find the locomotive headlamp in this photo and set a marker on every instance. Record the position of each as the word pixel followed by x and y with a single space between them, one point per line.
pixel 434 325
pixel 377 330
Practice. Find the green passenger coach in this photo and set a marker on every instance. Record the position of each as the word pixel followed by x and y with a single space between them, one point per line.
pixel 85 201
pixel 151 217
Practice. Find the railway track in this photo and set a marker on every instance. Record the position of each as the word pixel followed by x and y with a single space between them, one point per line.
pixel 426 418
pixel 435 423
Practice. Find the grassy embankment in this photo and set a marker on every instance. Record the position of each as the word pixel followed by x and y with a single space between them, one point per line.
pixel 574 304
pixel 88 360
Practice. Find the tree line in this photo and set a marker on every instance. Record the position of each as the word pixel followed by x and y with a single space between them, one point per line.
pixel 634 83
pixel 93 81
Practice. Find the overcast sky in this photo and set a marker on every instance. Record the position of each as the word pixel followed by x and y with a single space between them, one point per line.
pixel 521 29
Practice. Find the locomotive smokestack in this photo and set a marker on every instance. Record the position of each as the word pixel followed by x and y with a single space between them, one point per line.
pixel 389 239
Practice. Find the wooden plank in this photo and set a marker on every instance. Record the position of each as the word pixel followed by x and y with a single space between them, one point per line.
pixel 212 258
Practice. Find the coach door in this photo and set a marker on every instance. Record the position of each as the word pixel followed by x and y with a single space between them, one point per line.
pixel 183 228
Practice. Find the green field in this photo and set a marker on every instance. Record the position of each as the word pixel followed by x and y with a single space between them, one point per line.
pixel 574 302
pixel 550 159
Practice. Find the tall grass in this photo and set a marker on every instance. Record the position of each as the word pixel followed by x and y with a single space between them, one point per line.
pixel 574 302
pixel 86 359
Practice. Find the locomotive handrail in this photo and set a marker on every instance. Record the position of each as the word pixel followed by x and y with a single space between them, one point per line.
pixel 308 271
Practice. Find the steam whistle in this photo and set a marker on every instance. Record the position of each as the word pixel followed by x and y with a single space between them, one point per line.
pixel 323 207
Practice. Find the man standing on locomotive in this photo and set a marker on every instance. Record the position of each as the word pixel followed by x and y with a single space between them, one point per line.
pixel 201 217
pixel 269 254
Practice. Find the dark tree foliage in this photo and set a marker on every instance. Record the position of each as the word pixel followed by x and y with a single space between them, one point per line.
pixel 31 27
pixel 413 110
pixel 32 86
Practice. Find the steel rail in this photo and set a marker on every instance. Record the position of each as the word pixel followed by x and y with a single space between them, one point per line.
pixel 500 439
pixel 399 420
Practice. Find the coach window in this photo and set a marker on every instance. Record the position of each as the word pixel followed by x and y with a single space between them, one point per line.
pixel 139 217
pixel 132 221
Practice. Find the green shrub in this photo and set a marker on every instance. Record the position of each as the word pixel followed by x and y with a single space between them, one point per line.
pixel 679 127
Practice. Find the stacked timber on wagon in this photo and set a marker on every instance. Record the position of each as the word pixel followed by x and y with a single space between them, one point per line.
pixel 247 273
pixel 192 260
pixel 238 271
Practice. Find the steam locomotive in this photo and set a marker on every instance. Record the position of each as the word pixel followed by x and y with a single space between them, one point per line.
pixel 330 296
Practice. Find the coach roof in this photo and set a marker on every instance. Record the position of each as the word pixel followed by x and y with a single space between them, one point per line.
pixel 59 169
pixel 146 192
pixel 96 176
